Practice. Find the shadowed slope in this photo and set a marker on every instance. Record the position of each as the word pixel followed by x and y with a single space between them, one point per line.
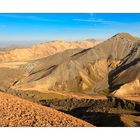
pixel 125 78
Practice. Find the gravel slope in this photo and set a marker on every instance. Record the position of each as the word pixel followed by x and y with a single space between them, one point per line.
pixel 19 112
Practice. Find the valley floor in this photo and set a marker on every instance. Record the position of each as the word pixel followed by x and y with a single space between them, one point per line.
pixel 98 110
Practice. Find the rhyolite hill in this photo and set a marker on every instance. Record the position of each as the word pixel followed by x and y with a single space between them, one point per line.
pixel 109 68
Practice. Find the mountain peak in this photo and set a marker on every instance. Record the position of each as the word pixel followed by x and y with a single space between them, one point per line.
pixel 124 35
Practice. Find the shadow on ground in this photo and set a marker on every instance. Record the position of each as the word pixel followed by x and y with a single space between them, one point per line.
pixel 100 119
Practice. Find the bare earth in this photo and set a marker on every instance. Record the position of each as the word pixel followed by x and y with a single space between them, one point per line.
pixel 12 65
pixel 19 112
pixel 130 120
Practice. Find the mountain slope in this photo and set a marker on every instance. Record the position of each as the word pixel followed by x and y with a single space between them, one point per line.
pixel 43 49
pixel 126 77
pixel 88 70
pixel 18 112
pixel 102 69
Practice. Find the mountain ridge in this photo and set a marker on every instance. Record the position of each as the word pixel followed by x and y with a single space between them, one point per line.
pixel 43 50
pixel 101 69
pixel 87 70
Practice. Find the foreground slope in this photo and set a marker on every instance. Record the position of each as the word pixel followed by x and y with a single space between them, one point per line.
pixel 18 112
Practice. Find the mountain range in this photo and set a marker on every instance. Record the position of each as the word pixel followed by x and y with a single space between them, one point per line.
pixel 82 69
pixel 101 69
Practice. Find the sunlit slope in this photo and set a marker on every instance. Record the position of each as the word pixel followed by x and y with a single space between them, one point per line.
pixel 88 70
pixel 18 112
pixel 43 49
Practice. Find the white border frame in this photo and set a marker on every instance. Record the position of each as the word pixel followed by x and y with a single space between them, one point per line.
pixel 69 6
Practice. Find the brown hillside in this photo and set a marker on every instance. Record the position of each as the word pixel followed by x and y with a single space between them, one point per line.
pixel 18 112
pixel 88 70
pixel 102 69
pixel 43 49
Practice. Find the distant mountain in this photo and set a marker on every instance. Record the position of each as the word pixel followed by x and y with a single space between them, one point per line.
pixel 10 45
pixel 42 50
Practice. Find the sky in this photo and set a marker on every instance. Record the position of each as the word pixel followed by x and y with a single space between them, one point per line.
pixel 46 27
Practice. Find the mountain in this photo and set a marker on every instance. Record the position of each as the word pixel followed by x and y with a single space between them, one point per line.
pixel 87 80
pixel 101 69
pixel 90 70
pixel 126 76
pixel 43 50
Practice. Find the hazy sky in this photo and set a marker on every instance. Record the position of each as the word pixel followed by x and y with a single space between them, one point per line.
pixel 28 27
